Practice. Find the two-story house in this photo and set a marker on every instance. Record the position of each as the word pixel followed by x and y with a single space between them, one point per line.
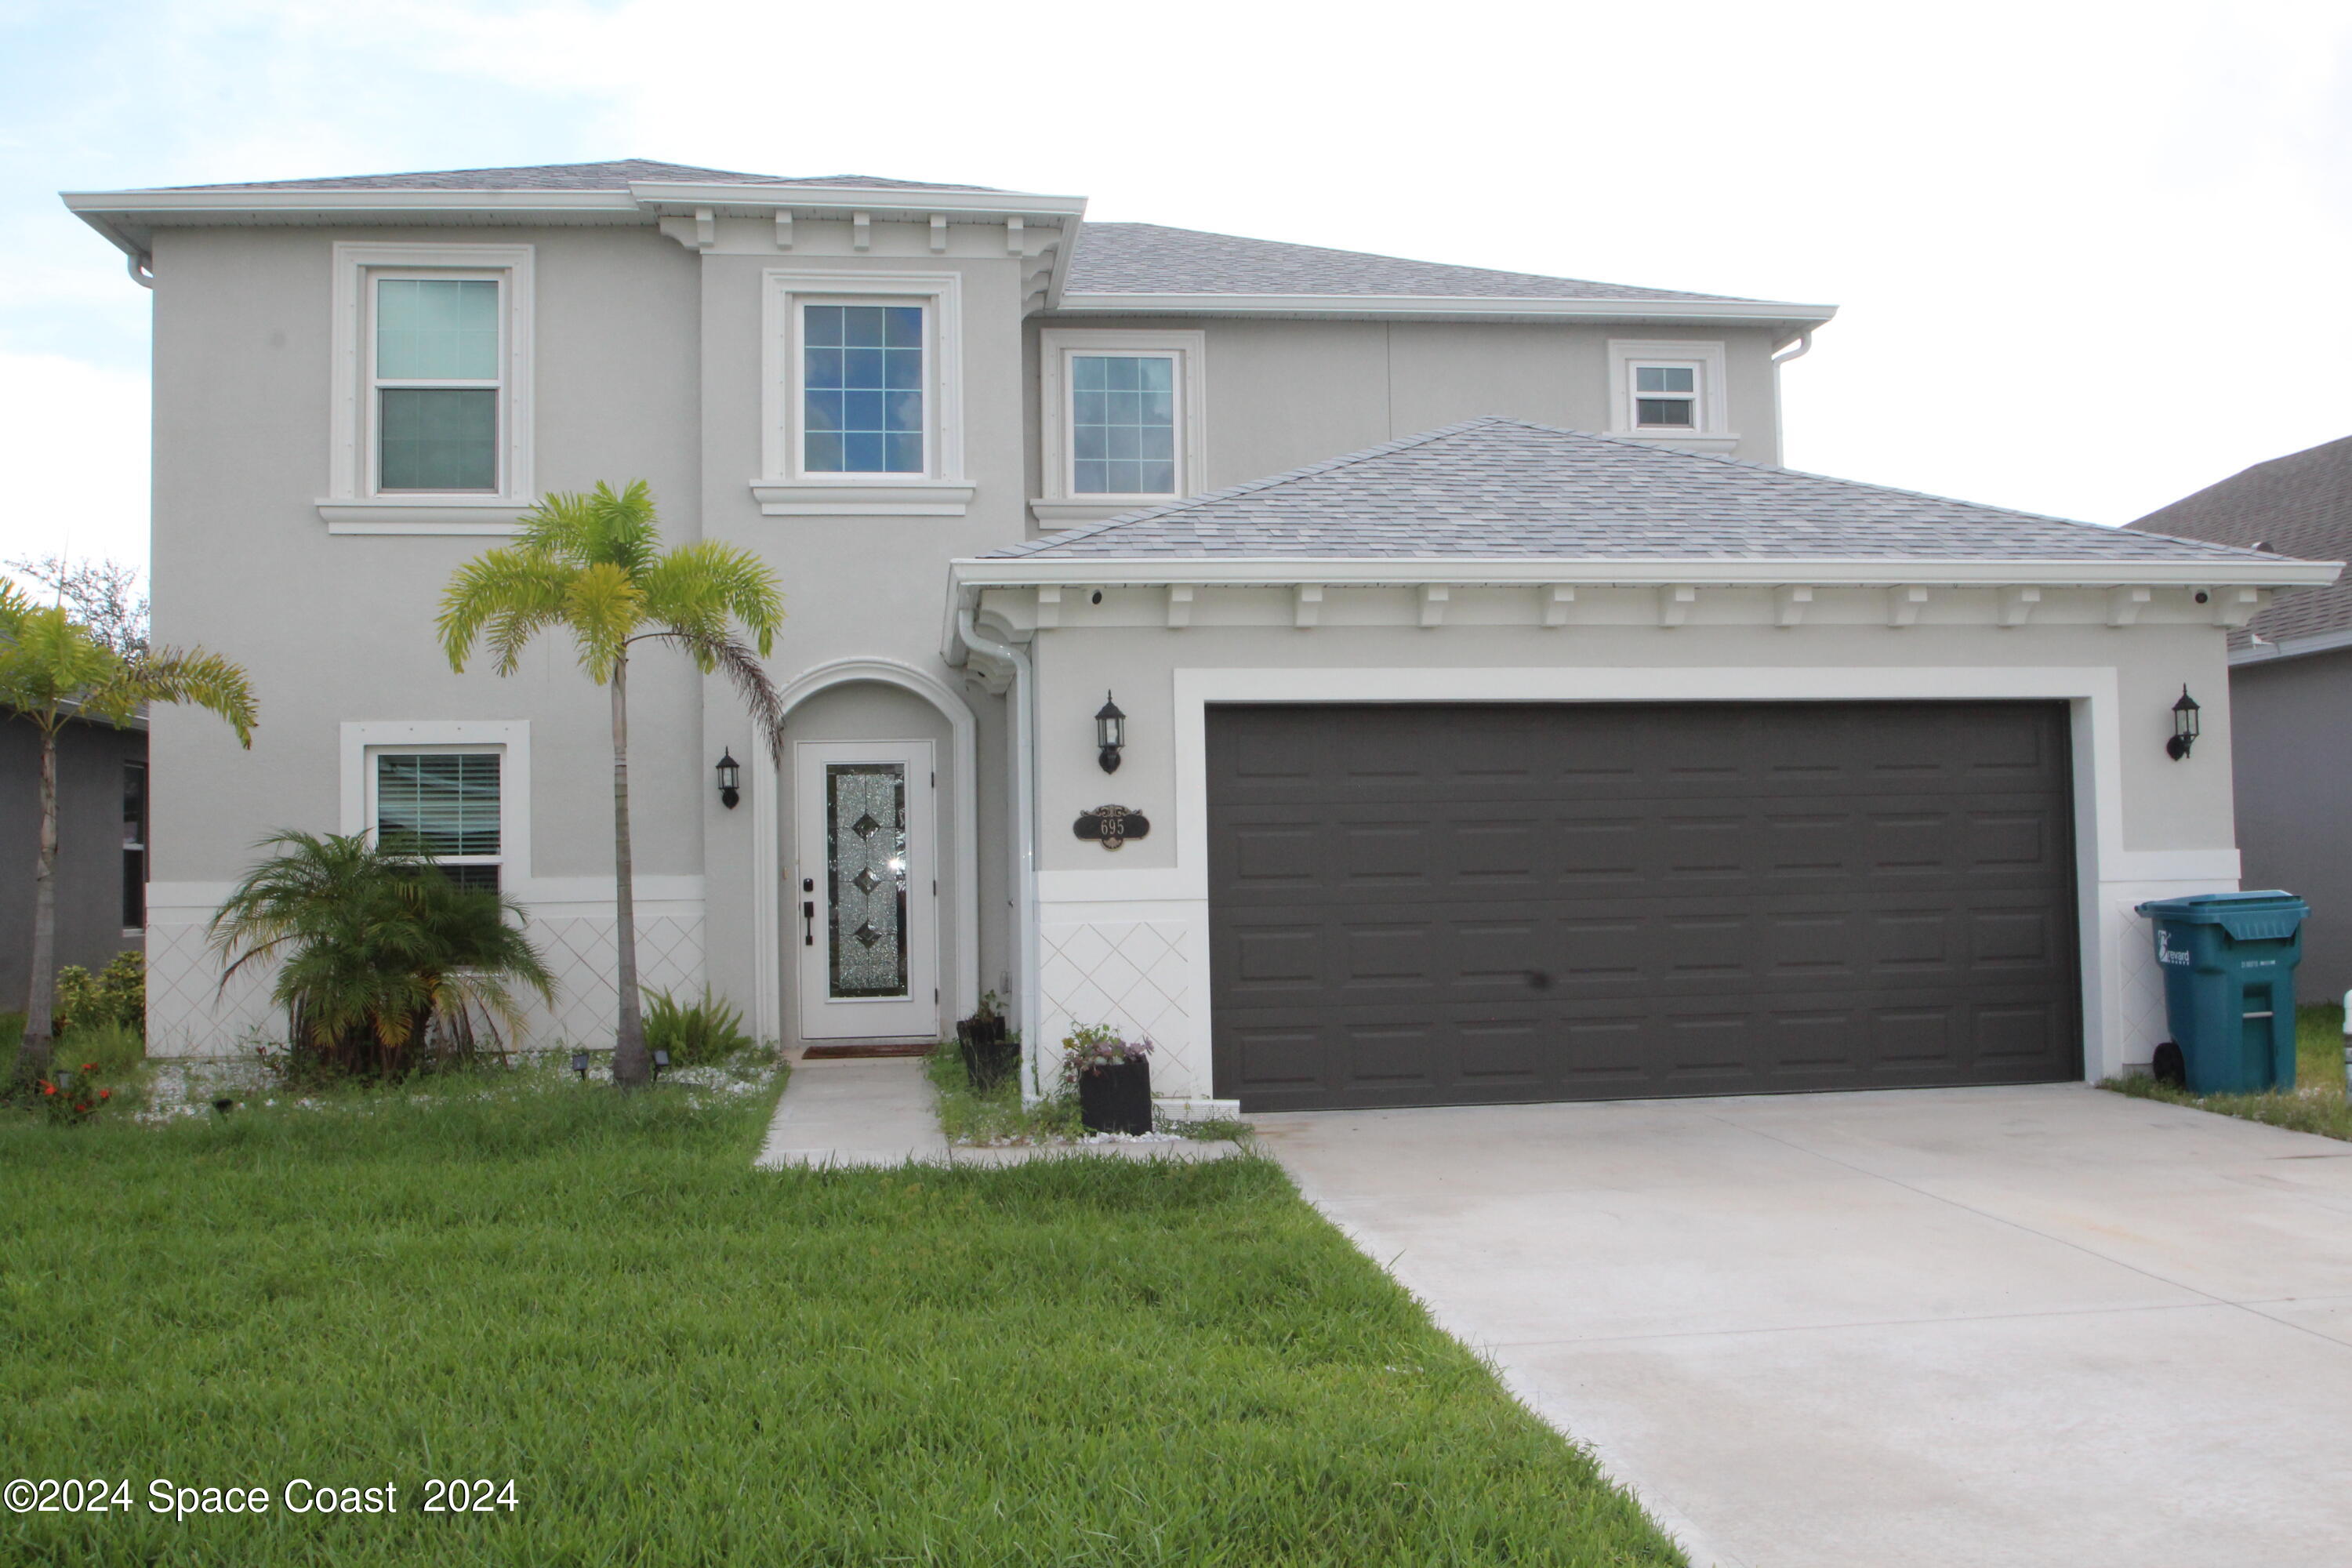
pixel 1498 720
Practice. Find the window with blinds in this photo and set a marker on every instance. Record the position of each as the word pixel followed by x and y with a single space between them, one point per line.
pixel 443 805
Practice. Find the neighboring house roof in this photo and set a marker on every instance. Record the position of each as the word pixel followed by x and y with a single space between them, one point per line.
pixel 1500 488
pixel 1152 258
pixel 2300 504
pixel 614 175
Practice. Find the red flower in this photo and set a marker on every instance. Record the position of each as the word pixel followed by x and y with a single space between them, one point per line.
pixel 48 1087
pixel 105 1094
pixel 90 1066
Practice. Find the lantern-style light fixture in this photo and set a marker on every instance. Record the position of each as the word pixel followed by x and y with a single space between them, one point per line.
pixel 1110 733
pixel 731 780
pixel 2184 726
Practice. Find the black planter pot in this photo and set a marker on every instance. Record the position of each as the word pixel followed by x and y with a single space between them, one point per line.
pixel 989 1058
pixel 1116 1099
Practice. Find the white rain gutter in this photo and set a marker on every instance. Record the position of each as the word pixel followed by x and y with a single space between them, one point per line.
pixel 1026 1001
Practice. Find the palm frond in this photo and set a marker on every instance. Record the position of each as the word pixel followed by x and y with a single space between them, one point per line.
pixel 703 583
pixel 603 605
pixel 182 676
pixel 727 654
pixel 508 593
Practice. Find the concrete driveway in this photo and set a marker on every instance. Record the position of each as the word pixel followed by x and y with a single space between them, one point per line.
pixel 2013 1326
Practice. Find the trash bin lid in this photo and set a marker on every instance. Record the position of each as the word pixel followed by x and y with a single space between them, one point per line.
pixel 2248 917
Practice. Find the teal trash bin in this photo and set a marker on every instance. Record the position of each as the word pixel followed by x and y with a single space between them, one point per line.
pixel 2229 986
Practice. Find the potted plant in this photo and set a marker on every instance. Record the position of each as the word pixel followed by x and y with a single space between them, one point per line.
pixel 1113 1078
pixel 990 1056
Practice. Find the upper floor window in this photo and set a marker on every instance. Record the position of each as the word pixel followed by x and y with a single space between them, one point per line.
pixel 1122 420
pixel 1122 425
pixel 433 410
pixel 1670 392
pixel 445 803
pixel 862 389
pixel 437 383
pixel 1665 397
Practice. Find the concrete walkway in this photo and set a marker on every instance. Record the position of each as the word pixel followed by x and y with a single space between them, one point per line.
pixel 2015 1326
pixel 882 1111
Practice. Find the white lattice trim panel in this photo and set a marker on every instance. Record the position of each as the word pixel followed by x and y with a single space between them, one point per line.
pixel 1133 975
pixel 184 1017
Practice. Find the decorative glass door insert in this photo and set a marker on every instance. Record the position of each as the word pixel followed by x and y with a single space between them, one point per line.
pixel 865 855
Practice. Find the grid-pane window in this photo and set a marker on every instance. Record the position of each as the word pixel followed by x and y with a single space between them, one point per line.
pixel 862 389
pixel 1123 423
pixel 436 383
pixel 445 804
pixel 1665 397
pixel 134 847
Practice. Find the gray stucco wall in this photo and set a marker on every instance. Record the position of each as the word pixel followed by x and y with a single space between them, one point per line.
pixel 2290 747
pixel 90 848
pixel 1285 392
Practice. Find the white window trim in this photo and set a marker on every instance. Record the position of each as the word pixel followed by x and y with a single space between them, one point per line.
pixel 509 739
pixel 350 505
pixel 784 491
pixel 1061 506
pixel 1712 432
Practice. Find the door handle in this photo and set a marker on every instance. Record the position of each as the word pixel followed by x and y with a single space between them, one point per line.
pixel 808 915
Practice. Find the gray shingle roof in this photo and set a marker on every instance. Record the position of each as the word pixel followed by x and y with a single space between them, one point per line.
pixel 1152 258
pixel 1500 488
pixel 613 176
pixel 2300 504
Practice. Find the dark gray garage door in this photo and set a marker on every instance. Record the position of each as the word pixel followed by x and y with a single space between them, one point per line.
pixel 1433 905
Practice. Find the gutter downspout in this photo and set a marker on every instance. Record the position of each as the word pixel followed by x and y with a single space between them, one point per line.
pixel 1779 417
pixel 141 268
pixel 1027 1010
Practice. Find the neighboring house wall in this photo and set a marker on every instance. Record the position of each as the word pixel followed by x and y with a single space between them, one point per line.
pixel 2292 749
pixel 89 885
pixel 2146 826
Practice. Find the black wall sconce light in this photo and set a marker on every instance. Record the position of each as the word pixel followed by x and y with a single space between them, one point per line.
pixel 1110 733
pixel 731 780
pixel 2184 726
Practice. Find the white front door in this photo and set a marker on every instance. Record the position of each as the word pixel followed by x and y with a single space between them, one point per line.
pixel 866 894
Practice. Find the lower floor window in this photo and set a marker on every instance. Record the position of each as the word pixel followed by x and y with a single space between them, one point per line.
pixel 134 847
pixel 445 804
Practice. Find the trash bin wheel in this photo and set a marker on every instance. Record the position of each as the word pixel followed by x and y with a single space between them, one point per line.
pixel 2171 1067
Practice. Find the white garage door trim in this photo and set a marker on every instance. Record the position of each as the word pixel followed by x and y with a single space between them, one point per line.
pixel 2118 992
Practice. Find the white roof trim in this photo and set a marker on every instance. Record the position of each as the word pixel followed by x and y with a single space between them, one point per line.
pixel 972 573
pixel 876 199
pixel 1730 313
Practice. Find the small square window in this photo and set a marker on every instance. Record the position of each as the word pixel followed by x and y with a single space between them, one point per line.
pixel 862 389
pixel 1666 397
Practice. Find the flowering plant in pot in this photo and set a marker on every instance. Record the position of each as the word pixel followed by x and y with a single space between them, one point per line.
pixel 989 1053
pixel 1112 1076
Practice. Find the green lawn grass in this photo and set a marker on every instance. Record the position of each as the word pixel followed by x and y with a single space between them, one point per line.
pixel 2315 1104
pixel 679 1360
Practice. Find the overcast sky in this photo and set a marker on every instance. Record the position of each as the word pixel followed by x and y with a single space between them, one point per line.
pixel 2088 258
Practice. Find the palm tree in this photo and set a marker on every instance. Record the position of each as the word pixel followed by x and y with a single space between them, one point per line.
pixel 52 668
pixel 593 565
pixel 379 958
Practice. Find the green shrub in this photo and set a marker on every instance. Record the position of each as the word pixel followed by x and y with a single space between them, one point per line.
pixel 115 997
pixel 695 1034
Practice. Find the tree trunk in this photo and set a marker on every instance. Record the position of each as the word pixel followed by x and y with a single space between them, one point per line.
pixel 33 1051
pixel 632 1069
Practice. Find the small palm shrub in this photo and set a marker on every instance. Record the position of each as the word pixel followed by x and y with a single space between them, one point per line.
pixel 385 966
pixel 115 996
pixel 695 1034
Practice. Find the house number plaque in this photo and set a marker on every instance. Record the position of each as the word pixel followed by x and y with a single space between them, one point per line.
pixel 1112 825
